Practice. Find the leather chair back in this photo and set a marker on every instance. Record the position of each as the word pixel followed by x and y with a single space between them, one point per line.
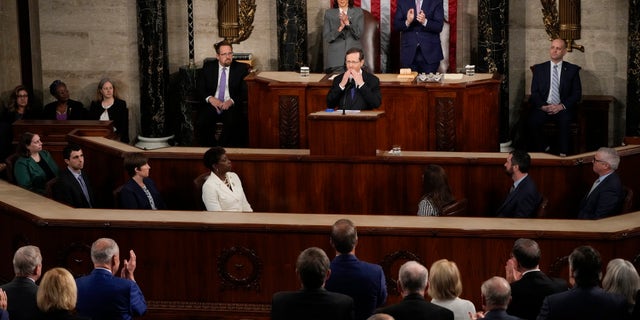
pixel 197 183
pixel 370 40
pixel 10 162
pixel 456 208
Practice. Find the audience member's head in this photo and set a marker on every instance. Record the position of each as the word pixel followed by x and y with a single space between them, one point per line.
pixel 444 280
pixel 435 185
pixel 380 316
pixel 27 262
pixel 224 53
pixel 521 159
pixel 59 90
pixel 19 99
pixel 29 143
pixel 312 267
pixel 134 161
pixel 344 236
pixel 57 291
pixel 73 157
pixel 106 89
pixel 496 293
pixel 606 157
pixel 412 278
pixel 622 278
pixel 105 253
pixel 213 156
pixel 527 253
pixel 336 5
pixel 585 265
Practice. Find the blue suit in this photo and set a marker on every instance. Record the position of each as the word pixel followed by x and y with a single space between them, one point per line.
pixel 362 281
pixel 427 38
pixel 133 197
pixel 522 202
pixel 104 296
pixel 604 201
pixel 570 91
pixel 584 303
pixel 311 304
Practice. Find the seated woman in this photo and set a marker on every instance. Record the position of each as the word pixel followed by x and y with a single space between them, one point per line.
pixel 445 288
pixel 57 295
pixel 64 108
pixel 35 167
pixel 108 106
pixel 343 25
pixel 19 108
pixel 223 190
pixel 139 192
pixel 435 191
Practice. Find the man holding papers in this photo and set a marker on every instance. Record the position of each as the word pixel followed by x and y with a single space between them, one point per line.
pixel 355 89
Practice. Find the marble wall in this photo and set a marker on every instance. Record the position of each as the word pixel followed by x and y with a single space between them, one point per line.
pixel 83 41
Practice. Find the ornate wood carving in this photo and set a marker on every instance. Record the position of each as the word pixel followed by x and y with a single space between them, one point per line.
pixel 289 123
pixel 559 268
pixel 239 267
pixel 76 258
pixel 445 124
pixel 390 265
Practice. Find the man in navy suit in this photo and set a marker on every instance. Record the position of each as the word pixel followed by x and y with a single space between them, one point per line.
pixel 362 281
pixel 355 89
pixel 313 302
pixel 523 198
pixel 68 188
pixel 586 301
pixel 102 295
pixel 605 197
pixel 420 23
pixel 21 291
pixel 496 294
pixel 225 104
pixel 412 283
pixel 529 285
pixel 555 91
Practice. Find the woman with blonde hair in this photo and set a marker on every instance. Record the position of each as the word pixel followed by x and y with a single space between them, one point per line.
pixel 445 288
pixel 57 295
pixel 108 106
pixel 622 278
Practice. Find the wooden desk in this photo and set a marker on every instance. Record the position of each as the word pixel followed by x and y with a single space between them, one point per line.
pixel 449 116
pixel 358 133
pixel 196 265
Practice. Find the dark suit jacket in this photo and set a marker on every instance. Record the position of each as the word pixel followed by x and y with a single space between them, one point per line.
pixel 570 85
pixel 62 315
pixel 133 197
pixel 499 315
pixel 118 113
pixel 521 202
pixel 591 303
pixel 415 307
pixel 428 37
pixel 235 119
pixel 75 111
pixel 312 304
pixel 103 296
pixel 366 97
pixel 604 200
pixel 362 281
pixel 21 299
pixel 67 190
pixel 528 293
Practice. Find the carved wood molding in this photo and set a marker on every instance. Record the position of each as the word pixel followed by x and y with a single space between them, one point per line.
pixel 445 124
pixel 209 306
pixel 289 123
pixel 239 267
pixel 396 259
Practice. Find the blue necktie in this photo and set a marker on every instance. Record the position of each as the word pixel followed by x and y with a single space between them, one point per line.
pixel 83 186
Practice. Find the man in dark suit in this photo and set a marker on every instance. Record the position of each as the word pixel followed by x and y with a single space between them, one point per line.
pixel 355 89
pixel 496 294
pixel 313 302
pixel 586 301
pixel 72 186
pixel 362 281
pixel 412 283
pixel 420 23
pixel 102 295
pixel 555 91
pixel 605 197
pixel 523 198
pixel 21 291
pixel 225 100
pixel 529 285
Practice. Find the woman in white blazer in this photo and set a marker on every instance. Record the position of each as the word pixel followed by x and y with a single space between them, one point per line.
pixel 223 190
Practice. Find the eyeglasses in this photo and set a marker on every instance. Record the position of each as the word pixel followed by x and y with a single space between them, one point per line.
pixel 597 160
pixel 23 96
pixel 226 54
pixel 352 62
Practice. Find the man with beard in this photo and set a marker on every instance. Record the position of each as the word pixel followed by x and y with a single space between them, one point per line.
pixel 523 198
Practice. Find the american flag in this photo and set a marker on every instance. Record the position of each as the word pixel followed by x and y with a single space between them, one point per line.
pixel 384 11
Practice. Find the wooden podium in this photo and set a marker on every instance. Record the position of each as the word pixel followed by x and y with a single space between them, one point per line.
pixel 357 133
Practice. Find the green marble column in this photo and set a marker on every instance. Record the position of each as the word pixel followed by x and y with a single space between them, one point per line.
pixel 633 70
pixel 292 34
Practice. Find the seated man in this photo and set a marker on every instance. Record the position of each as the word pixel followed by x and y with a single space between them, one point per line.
pixel 523 198
pixel 102 295
pixel 313 301
pixel 355 89
pixel 555 91
pixel 605 197
pixel 72 186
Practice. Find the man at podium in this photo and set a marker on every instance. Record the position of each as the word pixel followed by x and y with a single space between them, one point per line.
pixel 355 89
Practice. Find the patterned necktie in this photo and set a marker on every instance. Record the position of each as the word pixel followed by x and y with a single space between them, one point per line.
pixel 554 97
pixel 83 186
pixel 223 84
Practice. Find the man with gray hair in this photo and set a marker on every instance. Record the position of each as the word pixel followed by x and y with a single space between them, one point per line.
pixel 102 295
pixel 605 197
pixel 21 291
pixel 496 294
pixel 412 283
